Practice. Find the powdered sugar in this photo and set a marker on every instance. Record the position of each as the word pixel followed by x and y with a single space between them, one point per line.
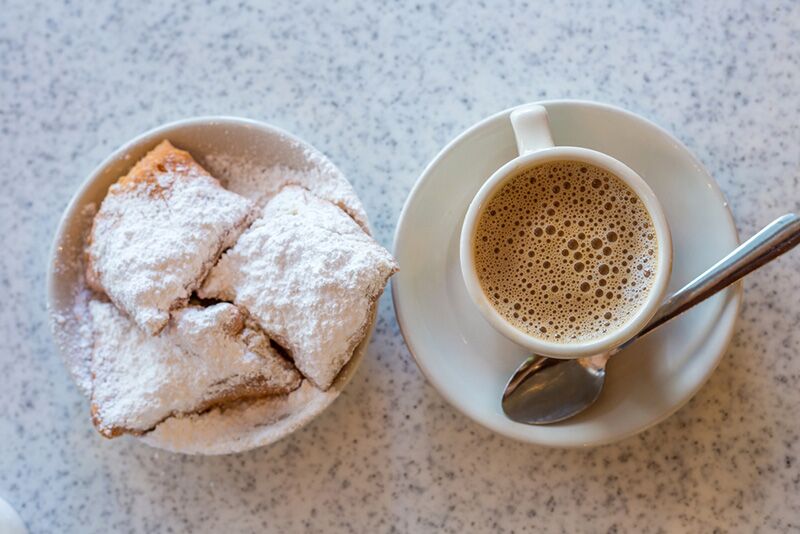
pixel 243 426
pixel 309 275
pixel 203 356
pixel 74 332
pixel 260 183
pixel 158 232
pixel 238 426
pixel 71 323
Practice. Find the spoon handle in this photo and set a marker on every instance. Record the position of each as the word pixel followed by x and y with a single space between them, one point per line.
pixel 780 236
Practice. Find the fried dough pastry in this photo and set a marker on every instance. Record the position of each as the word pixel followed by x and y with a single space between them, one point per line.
pixel 310 276
pixel 158 232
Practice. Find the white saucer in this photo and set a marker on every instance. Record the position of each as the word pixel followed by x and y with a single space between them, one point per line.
pixel 10 522
pixel 468 362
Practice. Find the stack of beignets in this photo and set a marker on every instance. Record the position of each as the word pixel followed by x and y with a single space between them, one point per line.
pixel 292 295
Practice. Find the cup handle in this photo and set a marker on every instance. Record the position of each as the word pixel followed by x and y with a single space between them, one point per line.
pixel 531 129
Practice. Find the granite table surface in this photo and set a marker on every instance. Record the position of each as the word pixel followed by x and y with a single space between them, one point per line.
pixel 380 88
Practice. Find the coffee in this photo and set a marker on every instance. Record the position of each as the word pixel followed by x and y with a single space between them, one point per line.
pixel 566 252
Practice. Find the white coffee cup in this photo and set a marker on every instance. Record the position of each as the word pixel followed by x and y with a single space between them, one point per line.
pixel 535 146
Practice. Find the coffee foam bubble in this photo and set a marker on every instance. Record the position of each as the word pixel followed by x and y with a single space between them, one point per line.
pixel 566 252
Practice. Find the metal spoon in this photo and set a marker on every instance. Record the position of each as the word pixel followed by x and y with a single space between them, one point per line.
pixel 546 390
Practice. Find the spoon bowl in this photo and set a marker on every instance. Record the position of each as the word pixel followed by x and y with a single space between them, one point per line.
pixel 561 389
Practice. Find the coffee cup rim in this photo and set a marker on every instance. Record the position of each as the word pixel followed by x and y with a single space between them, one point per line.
pixel 637 321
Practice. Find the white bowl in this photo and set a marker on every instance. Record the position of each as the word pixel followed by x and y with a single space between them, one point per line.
pixel 216 432
pixel 469 362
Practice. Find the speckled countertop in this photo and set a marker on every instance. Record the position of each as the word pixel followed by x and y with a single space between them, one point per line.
pixel 380 89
